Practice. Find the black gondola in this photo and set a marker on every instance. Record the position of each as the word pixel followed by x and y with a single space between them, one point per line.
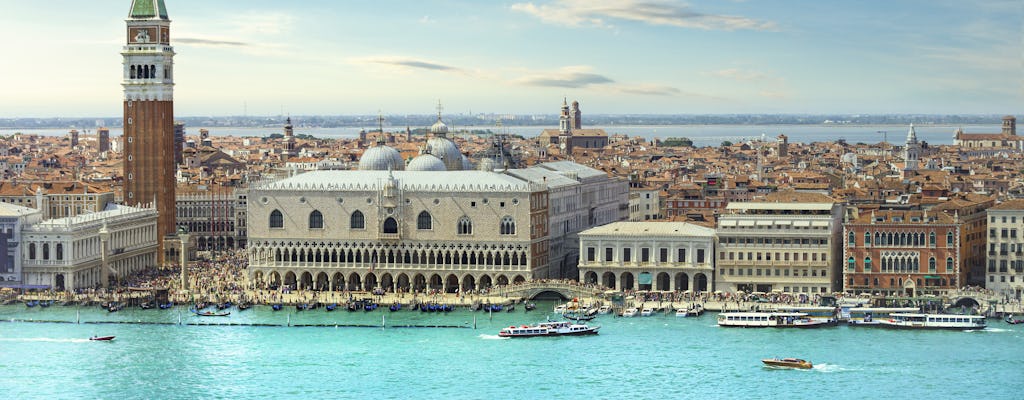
pixel 31 303
pixel 395 307
pixel 277 307
pixel 166 305
pixel 244 306
pixel 331 307
pixel 301 307
pixel 530 306
pixel 145 305
pixel 46 303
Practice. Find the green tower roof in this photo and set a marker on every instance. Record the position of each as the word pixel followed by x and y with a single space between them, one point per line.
pixel 148 9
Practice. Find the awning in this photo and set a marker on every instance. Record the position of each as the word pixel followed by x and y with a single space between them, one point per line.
pixel 727 223
pixel 932 277
pixel 746 223
pixel 801 223
pixel 819 223
pixel 764 223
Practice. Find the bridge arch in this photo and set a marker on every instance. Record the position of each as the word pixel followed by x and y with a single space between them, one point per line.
pixel 549 294
pixel 967 302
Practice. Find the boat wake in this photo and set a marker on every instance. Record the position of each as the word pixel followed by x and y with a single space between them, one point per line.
pixel 829 368
pixel 989 330
pixel 492 337
pixel 50 340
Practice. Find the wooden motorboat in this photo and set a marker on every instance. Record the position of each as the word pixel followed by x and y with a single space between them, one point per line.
pixel 102 338
pixel 1013 320
pixel 211 313
pixel 788 363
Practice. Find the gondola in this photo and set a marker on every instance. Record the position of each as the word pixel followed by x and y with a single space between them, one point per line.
pixel 301 307
pixel 46 303
pixel 115 307
pixel 31 303
pixel 530 306
pixel 210 313
pixel 102 338
pixel 510 308
pixel 1012 320
pixel 277 307
pixel 224 305
pixel 166 305
pixel 331 307
pixel 244 306
pixel 145 305
pixel 578 316
pixel 395 307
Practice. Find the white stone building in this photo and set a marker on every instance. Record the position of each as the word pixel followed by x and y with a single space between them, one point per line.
pixel 665 256
pixel 12 219
pixel 791 245
pixel 644 204
pixel 83 251
pixel 1005 273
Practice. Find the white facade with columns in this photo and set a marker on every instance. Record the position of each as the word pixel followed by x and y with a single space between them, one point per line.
pixel 12 219
pixel 674 256
pixel 69 253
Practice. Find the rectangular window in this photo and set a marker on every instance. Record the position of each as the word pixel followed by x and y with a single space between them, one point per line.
pixel 663 255
pixel 591 253
pixel 682 256
pixel 608 251
pixel 700 256
pixel 627 255
pixel 645 254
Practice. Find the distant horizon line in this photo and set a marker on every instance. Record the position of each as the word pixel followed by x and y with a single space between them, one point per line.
pixel 550 115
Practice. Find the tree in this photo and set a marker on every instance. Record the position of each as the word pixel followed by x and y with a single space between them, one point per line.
pixel 726 143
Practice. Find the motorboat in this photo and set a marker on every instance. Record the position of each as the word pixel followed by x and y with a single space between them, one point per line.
pixel 694 311
pixel 211 313
pixel 647 312
pixel 145 305
pixel 102 338
pixel 787 363
pixel 604 310
pixel 630 312
pixel 578 316
pixel 550 328
pixel 1013 320
pixel 933 321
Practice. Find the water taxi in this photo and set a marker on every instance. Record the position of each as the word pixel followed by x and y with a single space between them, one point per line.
pixel 933 321
pixel 605 309
pixel 769 320
pixel 102 338
pixel 630 312
pixel 1010 319
pixel 872 315
pixel 550 328
pixel 694 311
pixel 787 363
pixel 818 313
pixel 647 312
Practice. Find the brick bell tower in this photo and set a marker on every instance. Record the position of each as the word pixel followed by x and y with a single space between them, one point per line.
pixel 149 169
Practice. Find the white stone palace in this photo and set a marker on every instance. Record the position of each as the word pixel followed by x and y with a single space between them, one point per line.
pixel 648 256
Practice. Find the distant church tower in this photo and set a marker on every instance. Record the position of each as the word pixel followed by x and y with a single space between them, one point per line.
pixel 1010 125
pixel 148 83
pixel 565 128
pixel 912 151
pixel 575 116
pixel 289 139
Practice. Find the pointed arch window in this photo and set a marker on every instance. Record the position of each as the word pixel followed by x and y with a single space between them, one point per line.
pixel 867 264
pixel 949 239
pixel 390 225
pixel 508 226
pixel 931 264
pixel 852 238
pixel 931 239
pixel 949 264
pixel 465 226
pixel 276 219
pixel 867 238
pixel 423 221
pixel 316 220
pixel 357 221
pixel 851 264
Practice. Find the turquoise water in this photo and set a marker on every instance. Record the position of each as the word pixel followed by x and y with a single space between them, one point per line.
pixel 637 358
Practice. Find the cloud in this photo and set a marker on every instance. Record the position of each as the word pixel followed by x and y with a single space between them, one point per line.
pixel 427 20
pixel 210 42
pixel 567 77
pixel 597 13
pixel 650 90
pixel 409 63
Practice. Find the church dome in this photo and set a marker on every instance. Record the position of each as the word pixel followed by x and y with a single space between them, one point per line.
pixel 381 158
pixel 439 128
pixel 486 164
pixel 466 164
pixel 445 149
pixel 427 162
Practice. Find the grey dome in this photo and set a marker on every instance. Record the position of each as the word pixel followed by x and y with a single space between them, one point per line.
pixel 466 164
pixel 427 162
pixel 439 128
pixel 445 149
pixel 381 158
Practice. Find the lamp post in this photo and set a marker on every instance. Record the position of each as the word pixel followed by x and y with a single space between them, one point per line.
pixel 104 249
pixel 183 235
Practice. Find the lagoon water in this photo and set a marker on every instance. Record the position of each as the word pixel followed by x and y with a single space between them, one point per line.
pixel 702 135
pixel 636 358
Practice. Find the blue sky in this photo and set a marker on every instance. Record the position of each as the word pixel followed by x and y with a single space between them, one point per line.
pixel 62 57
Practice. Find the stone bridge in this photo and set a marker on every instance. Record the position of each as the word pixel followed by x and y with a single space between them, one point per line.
pixel 531 290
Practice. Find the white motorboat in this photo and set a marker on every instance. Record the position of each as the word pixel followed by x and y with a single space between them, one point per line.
pixel 933 321
pixel 550 328
pixel 630 312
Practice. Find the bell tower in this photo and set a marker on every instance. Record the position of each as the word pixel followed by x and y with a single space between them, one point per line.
pixel 148 81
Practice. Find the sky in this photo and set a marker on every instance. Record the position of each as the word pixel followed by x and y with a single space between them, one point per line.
pixel 326 57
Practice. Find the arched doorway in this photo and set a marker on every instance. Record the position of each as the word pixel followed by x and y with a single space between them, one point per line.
pixel 590 277
pixel 289 280
pixel 321 282
pixel 485 282
pixel 436 283
pixel 518 279
pixel 275 280
pixel 419 282
pixel 307 280
pixel 354 282
pixel 59 284
pixel 608 280
pixel 451 283
pixel 257 278
pixel 662 282
pixel 700 282
pixel 370 282
pixel 502 280
pixel 403 282
pixel 468 283
pixel 682 281
pixel 627 280
pixel 338 282
pixel 387 282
